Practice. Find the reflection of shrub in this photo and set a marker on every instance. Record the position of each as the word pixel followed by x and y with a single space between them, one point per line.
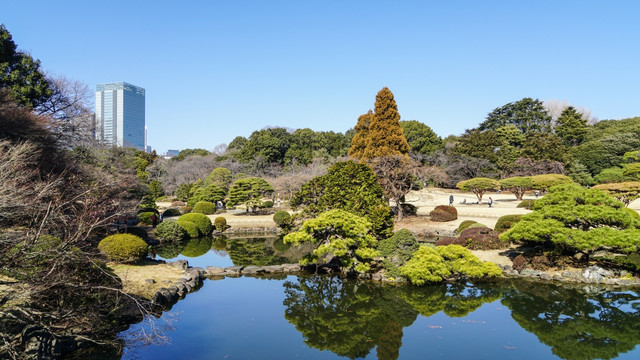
pixel 282 219
pixel 170 249
pixel 505 223
pixel 145 217
pixel 189 228
pixel 137 231
pixel 219 243
pixel 170 231
pixel 281 246
pixel 443 213
pixel 171 212
pixel 197 246
pixel 204 207
pixel 220 223
pixel 123 248
pixel 464 225
pixel 202 222
pixel 527 204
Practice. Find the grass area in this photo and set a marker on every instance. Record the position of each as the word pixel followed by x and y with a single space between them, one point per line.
pixel 134 276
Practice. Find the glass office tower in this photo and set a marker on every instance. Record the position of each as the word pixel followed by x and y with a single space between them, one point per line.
pixel 120 115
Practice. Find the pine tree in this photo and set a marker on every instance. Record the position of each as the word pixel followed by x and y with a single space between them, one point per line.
pixel 359 141
pixel 571 127
pixel 385 137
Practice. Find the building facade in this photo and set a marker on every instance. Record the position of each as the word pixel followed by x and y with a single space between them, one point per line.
pixel 120 115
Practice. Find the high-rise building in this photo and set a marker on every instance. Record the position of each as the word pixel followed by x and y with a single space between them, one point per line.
pixel 120 115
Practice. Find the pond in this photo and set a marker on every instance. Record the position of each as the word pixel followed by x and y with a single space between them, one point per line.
pixel 322 317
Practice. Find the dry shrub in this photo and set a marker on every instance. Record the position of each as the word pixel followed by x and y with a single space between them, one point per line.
pixel 451 241
pixel 520 263
pixel 178 203
pixel 541 262
pixel 443 213
pixel 482 238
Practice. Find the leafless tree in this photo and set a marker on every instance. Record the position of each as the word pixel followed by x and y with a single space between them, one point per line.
pixel 555 107
pixel 395 175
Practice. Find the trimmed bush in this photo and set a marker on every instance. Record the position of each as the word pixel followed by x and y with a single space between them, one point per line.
pixel 527 204
pixel 171 212
pixel 137 231
pixel 186 209
pixel 443 213
pixel 505 223
pixel 204 207
pixel 402 245
pixel 282 219
pixel 220 223
pixel 267 204
pixel 145 217
pixel 123 248
pixel 451 241
pixel 170 231
pixel 202 222
pixel 190 228
pixel 464 225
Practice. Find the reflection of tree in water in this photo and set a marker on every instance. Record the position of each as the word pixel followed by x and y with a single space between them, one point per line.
pixel 351 317
pixel 197 246
pixel 254 251
pixel 574 324
pixel 219 243
pixel 170 249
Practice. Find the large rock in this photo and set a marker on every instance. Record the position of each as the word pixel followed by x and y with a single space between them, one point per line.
pixel 273 269
pixel 233 270
pixel 252 270
pixel 180 264
pixel 215 270
pixel 291 268
pixel 596 274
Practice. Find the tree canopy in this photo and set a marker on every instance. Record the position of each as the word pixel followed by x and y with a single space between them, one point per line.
pixel 421 139
pixel 478 186
pixel 528 115
pixel 249 192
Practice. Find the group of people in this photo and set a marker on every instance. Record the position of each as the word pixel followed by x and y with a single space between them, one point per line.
pixel 464 201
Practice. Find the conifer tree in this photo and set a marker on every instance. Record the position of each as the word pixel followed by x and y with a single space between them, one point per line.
pixel 386 137
pixel 359 141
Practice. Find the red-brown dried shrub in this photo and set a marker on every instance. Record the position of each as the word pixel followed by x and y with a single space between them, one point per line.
pixel 443 213
pixel 482 238
pixel 541 262
pixel 520 263
pixel 451 241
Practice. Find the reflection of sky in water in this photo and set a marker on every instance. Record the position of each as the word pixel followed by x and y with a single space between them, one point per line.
pixel 211 258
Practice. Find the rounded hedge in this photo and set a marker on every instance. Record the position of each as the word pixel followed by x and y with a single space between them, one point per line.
pixel 464 225
pixel 220 223
pixel 123 248
pixel 145 217
pixel 170 231
pixel 267 204
pixel 171 212
pixel 282 218
pixel 204 207
pixel 202 222
pixel 443 213
pixel 505 222
pixel 527 204
pixel 190 228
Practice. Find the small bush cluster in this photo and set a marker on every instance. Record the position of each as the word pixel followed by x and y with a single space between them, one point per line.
pixel 527 204
pixel 145 217
pixel 505 222
pixel 171 212
pixel 170 231
pixel 464 225
pixel 204 207
pixel 220 223
pixel 520 263
pixel 443 213
pixel 267 204
pixel 178 203
pixel 123 248
pixel 407 209
pixel 190 228
pixel 283 219
pixel 202 222
pixel 475 238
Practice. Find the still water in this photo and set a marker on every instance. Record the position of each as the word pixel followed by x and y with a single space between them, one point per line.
pixel 322 317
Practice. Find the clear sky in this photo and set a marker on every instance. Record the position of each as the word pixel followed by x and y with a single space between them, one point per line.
pixel 214 70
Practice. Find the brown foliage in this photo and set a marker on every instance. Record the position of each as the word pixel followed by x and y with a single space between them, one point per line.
pixel 520 263
pixel 526 167
pixel 443 213
pixel 480 238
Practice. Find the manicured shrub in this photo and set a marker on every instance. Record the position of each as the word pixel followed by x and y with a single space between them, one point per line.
pixel 451 241
pixel 527 204
pixel 202 222
pixel 170 231
pixel 220 223
pixel 171 212
pixel 482 238
pixel 267 204
pixel 541 262
pixel 145 217
pixel 123 248
pixel 464 225
pixel 186 209
pixel 443 213
pixel 520 263
pixel 204 207
pixel 283 219
pixel 190 228
pixel 137 231
pixel 401 245
pixel 505 222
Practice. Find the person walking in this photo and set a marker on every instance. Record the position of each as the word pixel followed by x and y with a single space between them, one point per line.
pixel 490 202
pixel 450 200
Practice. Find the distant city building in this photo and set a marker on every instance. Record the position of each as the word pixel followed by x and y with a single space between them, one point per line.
pixel 172 153
pixel 120 117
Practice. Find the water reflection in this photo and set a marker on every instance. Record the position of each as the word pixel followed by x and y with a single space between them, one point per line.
pixel 580 323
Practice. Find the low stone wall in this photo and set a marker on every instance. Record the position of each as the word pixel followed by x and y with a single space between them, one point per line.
pixel 253 230
pixel 589 275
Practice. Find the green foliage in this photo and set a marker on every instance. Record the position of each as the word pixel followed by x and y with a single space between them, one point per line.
pixel 220 223
pixel 610 175
pixel 506 222
pixel 631 157
pixel 527 204
pixel 145 217
pixel 204 207
pixel 197 246
pixel 478 186
pixel 155 188
pixel 183 154
pixel 283 219
pixel 578 219
pixel 221 177
pixel 434 264
pixel 571 127
pixel 202 222
pixel 580 174
pixel 546 181
pixel 211 193
pixel 527 115
pixel 632 171
pixel 624 191
pixel 123 248
pixel 170 231
pixel 605 152
pixel 348 186
pixel 421 139
pixel 397 250
pixel 340 235
pixel 443 213
pixel 518 185
pixel 189 227
pixel 171 212
pixel 479 144
pixel 465 225
pixel 183 192
pixel 250 192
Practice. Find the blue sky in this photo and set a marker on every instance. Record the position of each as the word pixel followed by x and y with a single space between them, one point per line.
pixel 214 70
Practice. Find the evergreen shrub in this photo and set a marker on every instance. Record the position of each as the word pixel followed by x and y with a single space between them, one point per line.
pixel 267 204
pixel 443 213
pixel 505 222
pixel 283 219
pixel 170 231
pixel 204 207
pixel 145 217
pixel 123 248
pixel 171 212
pixel 220 223
pixel 527 204
pixel 190 228
pixel 464 225
pixel 202 222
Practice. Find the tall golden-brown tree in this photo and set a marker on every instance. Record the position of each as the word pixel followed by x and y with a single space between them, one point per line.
pixel 383 136
pixel 359 141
